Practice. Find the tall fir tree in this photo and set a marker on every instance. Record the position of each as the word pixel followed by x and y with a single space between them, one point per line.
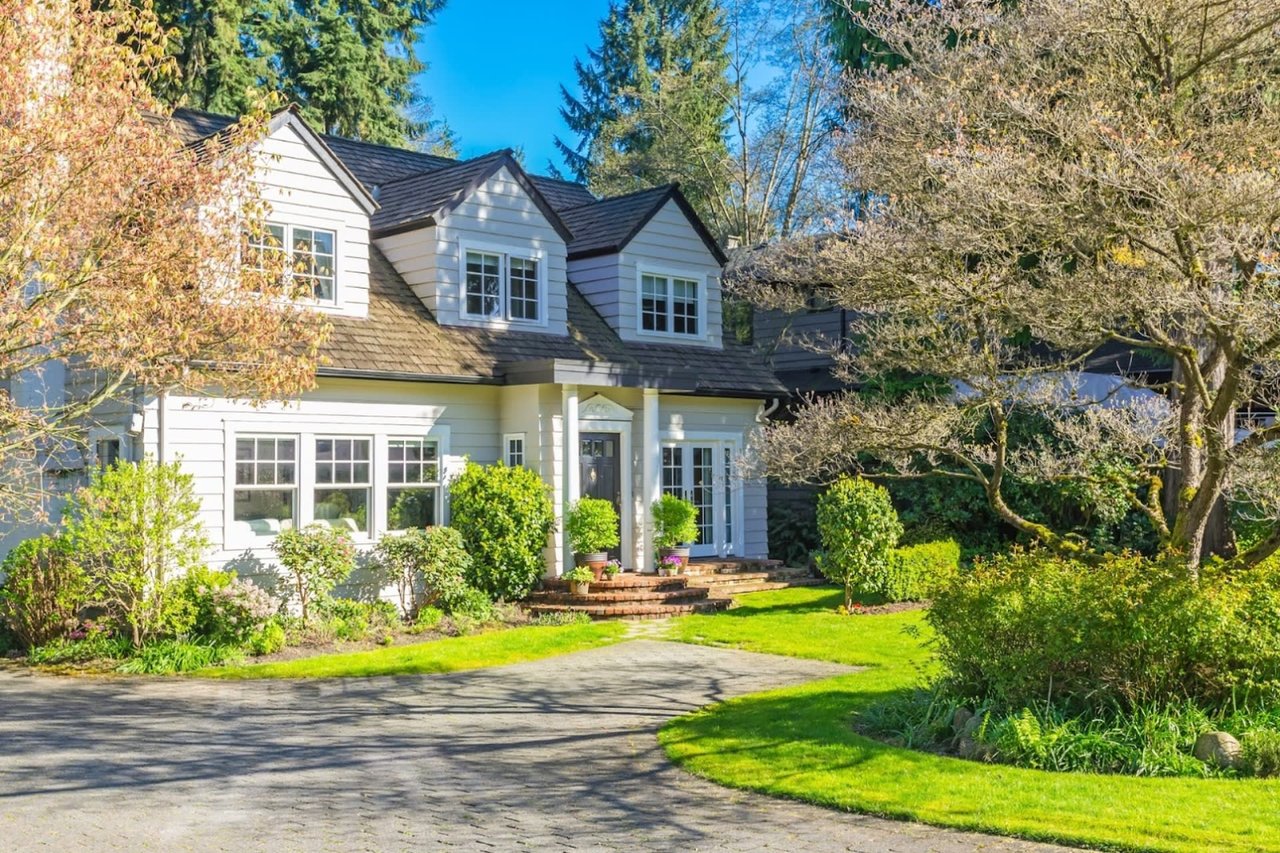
pixel 348 64
pixel 654 100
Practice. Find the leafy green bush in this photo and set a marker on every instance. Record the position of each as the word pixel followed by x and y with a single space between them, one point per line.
pixel 225 609
pixel 267 640
pixel 591 526
pixel 133 530
pixel 472 603
pixel 358 620
pixel 428 619
pixel 427 567
pixel 166 657
pixel 504 515
pixel 918 572
pixel 675 522
pixel 1260 752
pixel 859 528
pixel 1033 627
pixel 318 558
pixel 82 645
pixel 43 591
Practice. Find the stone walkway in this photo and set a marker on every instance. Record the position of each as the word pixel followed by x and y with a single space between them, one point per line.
pixel 553 755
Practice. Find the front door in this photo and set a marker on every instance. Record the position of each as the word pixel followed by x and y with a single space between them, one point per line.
pixel 601 461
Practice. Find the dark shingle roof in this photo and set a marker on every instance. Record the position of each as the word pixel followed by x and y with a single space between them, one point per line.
pixel 193 125
pixel 401 339
pixel 376 165
pixel 413 198
pixel 605 226
pixel 563 195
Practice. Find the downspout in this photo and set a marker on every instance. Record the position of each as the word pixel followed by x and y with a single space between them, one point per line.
pixel 766 411
pixel 161 405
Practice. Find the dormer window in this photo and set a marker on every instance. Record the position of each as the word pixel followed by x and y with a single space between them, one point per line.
pixel 310 264
pixel 502 286
pixel 670 304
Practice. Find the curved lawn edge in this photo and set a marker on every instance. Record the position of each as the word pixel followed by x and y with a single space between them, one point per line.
pixel 798 743
pixel 475 651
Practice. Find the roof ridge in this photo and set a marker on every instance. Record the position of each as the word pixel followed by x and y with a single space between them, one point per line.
pixel 455 164
pixel 661 187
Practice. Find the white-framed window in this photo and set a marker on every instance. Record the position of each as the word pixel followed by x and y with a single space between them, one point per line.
pixel 670 304
pixel 344 482
pixel 413 483
pixel 514 447
pixel 500 285
pixel 307 255
pixel 265 497
pixel 107 451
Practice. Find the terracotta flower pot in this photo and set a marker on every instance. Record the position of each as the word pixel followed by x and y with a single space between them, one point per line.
pixel 595 561
pixel 682 553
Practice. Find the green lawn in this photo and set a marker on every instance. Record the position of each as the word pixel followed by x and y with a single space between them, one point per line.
pixel 494 648
pixel 798 743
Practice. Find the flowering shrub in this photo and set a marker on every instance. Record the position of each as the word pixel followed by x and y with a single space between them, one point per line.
pixel 318 558
pixel 224 608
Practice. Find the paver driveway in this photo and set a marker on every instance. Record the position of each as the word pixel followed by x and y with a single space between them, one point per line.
pixel 558 754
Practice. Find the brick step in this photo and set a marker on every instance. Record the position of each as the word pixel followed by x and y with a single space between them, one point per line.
pixel 634 611
pixel 638 596
pixel 731 566
pixel 729 580
pixel 625 581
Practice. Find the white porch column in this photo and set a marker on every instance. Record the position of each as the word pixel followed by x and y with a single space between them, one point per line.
pixel 572 466
pixel 652 474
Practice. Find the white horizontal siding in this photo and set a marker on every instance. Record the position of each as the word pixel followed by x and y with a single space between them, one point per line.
pixel 300 190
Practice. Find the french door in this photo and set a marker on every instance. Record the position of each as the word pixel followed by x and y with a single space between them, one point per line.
pixel 702 473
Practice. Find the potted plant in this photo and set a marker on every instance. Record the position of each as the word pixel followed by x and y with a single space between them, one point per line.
pixel 670 565
pixel 592 528
pixel 579 578
pixel 612 569
pixel 675 527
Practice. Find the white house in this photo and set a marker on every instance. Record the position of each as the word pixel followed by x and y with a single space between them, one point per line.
pixel 479 312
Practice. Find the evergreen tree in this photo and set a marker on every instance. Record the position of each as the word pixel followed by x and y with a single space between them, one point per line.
pixel 346 63
pixel 654 100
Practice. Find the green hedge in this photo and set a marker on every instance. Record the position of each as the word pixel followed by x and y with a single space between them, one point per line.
pixel 919 572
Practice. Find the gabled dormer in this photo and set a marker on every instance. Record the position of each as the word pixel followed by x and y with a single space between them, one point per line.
pixel 647 263
pixel 318 211
pixel 478 243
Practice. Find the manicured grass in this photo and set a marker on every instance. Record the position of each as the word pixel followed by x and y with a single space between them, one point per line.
pixel 799 743
pixel 494 648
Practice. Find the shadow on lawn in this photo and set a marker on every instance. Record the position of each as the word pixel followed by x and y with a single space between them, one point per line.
pixel 824 598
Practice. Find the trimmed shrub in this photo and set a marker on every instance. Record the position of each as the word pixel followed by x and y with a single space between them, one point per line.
pixel 859 528
pixel 1032 627
pixel 504 515
pixel 919 572
pixel 591 526
pixel 318 557
pixel 675 522
pixel 267 640
pixel 427 567
pixel 225 609
pixel 43 591
pixel 133 530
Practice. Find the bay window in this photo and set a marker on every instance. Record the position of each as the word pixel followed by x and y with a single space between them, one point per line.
pixel 266 483
pixel 343 483
pixel 501 286
pixel 413 483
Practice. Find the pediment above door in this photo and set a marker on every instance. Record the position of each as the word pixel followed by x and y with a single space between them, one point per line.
pixel 601 408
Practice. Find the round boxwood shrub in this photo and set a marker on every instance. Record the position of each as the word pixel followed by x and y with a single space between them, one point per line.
pixel 591 526
pixel 504 514
pixel 859 529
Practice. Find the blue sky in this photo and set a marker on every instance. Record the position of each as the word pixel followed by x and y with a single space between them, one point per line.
pixel 496 67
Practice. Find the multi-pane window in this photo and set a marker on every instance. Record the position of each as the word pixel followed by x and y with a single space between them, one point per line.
pixel 344 472
pixel 673 471
pixel 484 284
pixel 501 287
pixel 524 288
pixel 413 483
pixel 108 452
pixel 515 449
pixel 266 478
pixel 728 497
pixel 313 261
pixel 668 304
pixel 305 255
